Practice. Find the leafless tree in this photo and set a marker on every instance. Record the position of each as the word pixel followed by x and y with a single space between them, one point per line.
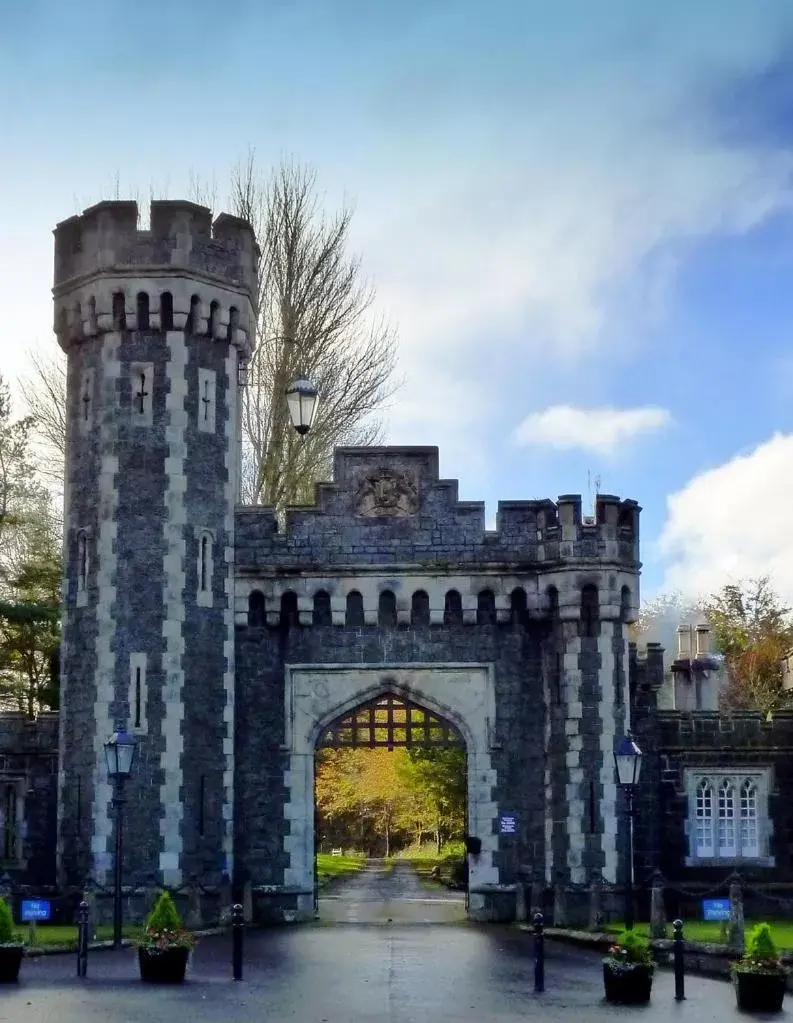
pixel 315 317
pixel 44 390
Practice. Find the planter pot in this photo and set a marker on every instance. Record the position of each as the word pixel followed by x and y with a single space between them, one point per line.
pixel 628 985
pixel 759 992
pixel 163 966
pixel 10 961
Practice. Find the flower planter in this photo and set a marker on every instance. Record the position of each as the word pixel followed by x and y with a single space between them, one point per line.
pixel 10 961
pixel 628 983
pixel 163 966
pixel 759 992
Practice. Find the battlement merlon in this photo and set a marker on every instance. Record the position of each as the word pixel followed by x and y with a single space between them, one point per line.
pixel 426 521
pixel 182 236
pixel 207 272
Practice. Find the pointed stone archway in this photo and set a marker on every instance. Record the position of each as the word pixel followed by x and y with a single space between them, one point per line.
pixel 454 699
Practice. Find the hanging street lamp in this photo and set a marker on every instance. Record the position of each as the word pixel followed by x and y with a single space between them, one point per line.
pixel 301 400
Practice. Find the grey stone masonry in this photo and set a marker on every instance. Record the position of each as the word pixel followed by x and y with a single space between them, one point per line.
pixel 154 324
pixel 391 580
pixel 28 768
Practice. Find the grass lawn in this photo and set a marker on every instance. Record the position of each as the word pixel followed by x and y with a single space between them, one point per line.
pixel 330 867
pixel 65 935
pixel 711 930
pixel 425 859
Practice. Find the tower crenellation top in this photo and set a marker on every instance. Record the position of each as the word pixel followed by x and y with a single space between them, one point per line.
pixel 183 272
pixel 182 236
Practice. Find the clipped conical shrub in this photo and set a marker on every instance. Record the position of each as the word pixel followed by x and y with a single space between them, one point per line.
pixel 164 916
pixel 7 933
pixel 761 945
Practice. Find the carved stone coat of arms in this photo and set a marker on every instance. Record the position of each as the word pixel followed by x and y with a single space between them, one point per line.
pixel 386 493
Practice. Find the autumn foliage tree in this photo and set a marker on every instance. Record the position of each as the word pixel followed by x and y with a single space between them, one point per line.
pixel 753 631
pixel 379 800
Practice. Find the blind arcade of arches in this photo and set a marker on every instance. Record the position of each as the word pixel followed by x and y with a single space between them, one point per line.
pixel 389 721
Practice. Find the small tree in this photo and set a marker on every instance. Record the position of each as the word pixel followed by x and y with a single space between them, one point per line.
pixel 164 915
pixel 7 932
pixel 761 955
pixel 754 632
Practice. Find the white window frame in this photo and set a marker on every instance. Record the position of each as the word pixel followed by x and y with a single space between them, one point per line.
pixel 205 568
pixel 724 827
pixel 144 417
pixel 137 678
pixel 207 399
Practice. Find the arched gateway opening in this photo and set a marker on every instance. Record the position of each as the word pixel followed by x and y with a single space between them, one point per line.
pixel 323 699
pixel 390 809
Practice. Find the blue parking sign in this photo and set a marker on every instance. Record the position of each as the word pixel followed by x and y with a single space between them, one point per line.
pixel 35 909
pixel 715 909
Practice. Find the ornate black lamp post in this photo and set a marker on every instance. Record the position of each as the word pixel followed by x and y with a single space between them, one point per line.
pixel 301 399
pixel 120 754
pixel 628 763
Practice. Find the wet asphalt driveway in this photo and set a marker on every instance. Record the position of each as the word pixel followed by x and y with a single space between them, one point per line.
pixel 389 892
pixel 351 972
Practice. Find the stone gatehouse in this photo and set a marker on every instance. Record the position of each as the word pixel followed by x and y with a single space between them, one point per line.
pixel 226 643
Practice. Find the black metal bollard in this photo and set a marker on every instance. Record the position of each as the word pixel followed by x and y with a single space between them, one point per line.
pixel 82 939
pixel 680 978
pixel 539 955
pixel 237 927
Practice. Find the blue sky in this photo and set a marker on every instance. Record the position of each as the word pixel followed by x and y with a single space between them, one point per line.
pixel 579 215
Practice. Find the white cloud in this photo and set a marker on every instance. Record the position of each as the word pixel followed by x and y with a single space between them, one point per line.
pixel 733 522
pixel 602 430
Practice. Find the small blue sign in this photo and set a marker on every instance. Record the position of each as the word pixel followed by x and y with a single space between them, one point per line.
pixel 36 909
pixel 715 909
pixel 508 824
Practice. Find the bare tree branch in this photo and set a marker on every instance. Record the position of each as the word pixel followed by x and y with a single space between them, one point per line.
pixel 44 391
pixel 315 318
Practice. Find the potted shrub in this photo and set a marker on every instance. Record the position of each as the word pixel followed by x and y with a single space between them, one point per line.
pixel 759 977
pixel 628 970
pixel 165 945
pixel 10 947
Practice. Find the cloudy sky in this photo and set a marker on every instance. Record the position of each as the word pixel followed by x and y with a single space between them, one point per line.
pixel 578 214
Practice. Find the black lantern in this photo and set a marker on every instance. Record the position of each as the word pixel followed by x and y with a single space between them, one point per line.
pixel 628 762
pixel 120 754
pixel 301 399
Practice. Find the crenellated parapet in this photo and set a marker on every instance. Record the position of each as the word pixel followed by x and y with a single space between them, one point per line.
pixel 389 506
pixel 389 524
pixel 184 273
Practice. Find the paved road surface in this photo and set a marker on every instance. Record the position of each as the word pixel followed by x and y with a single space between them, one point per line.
pixel 357 973
pixel 386 892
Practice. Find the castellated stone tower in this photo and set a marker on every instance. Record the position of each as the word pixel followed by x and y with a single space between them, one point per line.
pixel 155 324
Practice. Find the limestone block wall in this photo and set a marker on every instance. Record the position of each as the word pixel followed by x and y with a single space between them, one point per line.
pixel 390 569
pixel 154 324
